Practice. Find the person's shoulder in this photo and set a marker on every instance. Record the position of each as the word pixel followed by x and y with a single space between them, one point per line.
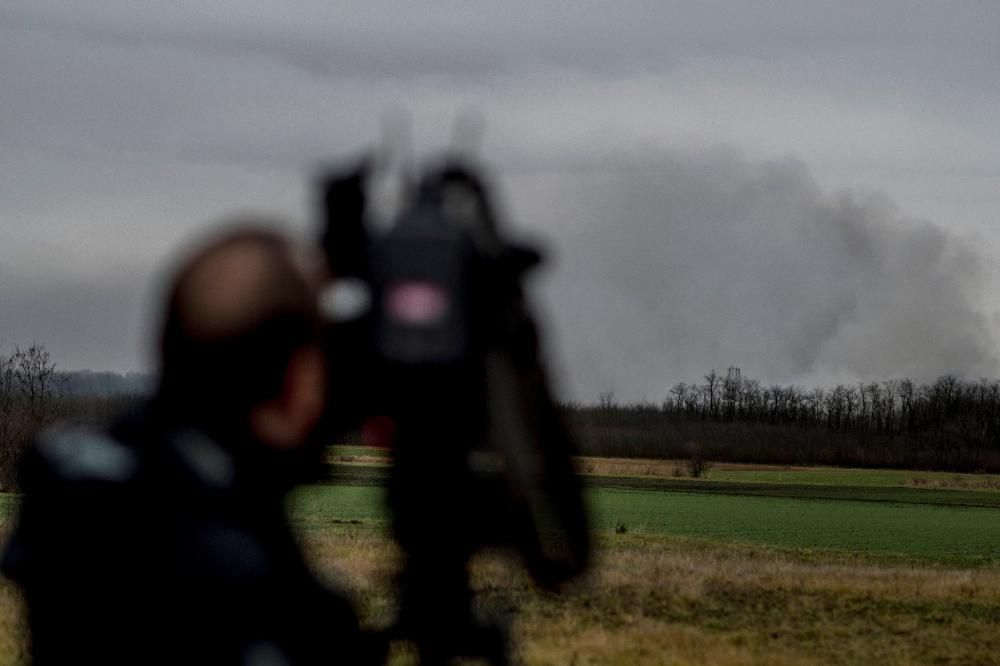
pixel 76 476
pixel 77 487
pixel 175 454
pixel 67 457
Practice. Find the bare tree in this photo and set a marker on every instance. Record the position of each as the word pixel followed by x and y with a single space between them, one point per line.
pixel 34 373
pixel 27 404
pixel 712 387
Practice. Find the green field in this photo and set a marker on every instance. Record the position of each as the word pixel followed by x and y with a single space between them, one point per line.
pixel 969 535
pixel 749 566
pixel 921 527
pixel 812 567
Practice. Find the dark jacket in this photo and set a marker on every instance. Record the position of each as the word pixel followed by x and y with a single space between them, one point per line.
pixel 158 544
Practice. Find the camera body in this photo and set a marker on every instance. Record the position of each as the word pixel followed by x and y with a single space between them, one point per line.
pixel 431 334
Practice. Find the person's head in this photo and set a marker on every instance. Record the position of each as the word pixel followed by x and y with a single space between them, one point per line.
pixel 239 351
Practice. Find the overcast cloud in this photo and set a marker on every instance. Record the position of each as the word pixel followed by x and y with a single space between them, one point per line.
pixel 804 190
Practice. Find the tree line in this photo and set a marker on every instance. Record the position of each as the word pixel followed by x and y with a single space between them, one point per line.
pixel 946 424
pixel 949 423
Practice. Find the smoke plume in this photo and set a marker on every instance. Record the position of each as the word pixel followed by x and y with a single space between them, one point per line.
pixel 705 261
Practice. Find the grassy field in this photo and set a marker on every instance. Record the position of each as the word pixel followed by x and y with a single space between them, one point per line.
pixel 750 566
pixel 677 600
pixel 810 567
pixel 967 536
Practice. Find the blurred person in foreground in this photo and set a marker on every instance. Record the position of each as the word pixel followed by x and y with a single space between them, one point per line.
pixel 164 540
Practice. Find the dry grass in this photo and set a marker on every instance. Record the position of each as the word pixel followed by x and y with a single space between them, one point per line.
pixel 629 466
pixel 13 638
pixel 657 467
pixel 956 482
pixel 595 466
pixel 358 460
pixel 680 603
pixel 684 601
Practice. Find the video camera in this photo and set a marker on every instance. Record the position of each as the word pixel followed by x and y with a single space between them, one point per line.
pixel 434 349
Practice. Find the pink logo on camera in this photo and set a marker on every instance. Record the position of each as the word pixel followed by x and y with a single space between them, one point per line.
pixel 416 302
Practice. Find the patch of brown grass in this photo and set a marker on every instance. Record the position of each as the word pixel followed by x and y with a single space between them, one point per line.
pixel 686 601
pixel 656 467
pixel 13 634
pixel 359 560
pixel 628 466
pixel 664 600
pixel 956 482
pixel 358 460
pixel 642 641
pixel 677 602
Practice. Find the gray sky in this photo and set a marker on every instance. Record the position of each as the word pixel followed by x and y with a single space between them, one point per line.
pixel 805 190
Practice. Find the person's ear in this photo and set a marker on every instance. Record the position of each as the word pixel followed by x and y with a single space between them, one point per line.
pixel 286 421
